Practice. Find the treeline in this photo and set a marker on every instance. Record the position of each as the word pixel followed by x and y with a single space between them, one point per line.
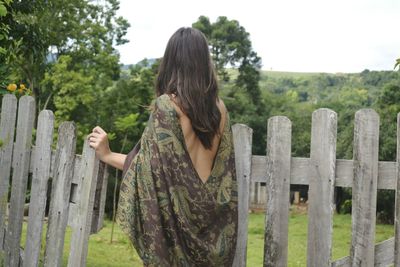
pixel 297 95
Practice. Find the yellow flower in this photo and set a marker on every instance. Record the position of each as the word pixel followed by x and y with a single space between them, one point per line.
pixel 12 87
pixel 20 90
pixel 22 86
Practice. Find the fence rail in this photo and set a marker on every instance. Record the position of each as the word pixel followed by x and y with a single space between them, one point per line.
pixel 78 187
pixel 322 172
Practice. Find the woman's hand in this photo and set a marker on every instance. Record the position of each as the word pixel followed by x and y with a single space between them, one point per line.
pixel 99 141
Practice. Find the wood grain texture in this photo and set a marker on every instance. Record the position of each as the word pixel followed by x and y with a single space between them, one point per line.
pixel 278 183
pixel 397 211
pixel 81 230
pixel 300 167
pixel 383 255
pixel 365 160
pixel 20 165
pixel 321 189
pixel 60 193
pixel 7 127
pixel 100 198
pixel 242 139
pixel 40 177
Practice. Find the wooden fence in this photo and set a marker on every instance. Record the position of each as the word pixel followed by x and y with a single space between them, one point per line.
pixel 322 172
pixel 78 187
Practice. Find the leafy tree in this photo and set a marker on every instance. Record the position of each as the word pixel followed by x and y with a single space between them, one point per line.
pixel 231 47
pixel 86 31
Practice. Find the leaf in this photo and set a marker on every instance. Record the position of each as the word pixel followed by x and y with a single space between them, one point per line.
pixel 3 10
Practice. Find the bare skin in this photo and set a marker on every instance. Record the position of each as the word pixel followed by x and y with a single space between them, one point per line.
pixel 201 157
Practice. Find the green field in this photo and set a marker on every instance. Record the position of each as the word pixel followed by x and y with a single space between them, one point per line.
pixel 121 254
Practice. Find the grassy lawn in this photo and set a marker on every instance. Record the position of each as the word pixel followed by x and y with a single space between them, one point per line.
pixel 120 253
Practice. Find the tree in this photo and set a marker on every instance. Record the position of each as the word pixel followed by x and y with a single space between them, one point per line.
pixel 231 47
pixel 233 56
pixel 87 31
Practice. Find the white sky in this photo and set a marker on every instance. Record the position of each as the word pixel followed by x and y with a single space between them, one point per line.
pixel 305 36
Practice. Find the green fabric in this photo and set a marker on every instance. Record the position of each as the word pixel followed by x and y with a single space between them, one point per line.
pixel 171 216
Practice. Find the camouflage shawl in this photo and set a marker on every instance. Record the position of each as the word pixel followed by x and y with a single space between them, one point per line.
pixel 171 216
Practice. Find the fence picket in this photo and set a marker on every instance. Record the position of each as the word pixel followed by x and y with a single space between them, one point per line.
pixel 40 177
pixel 81 230
pixel 321 189
pixel 7 127
pixel 242 139
pixel 397 211
pixel 100 198
pixel 278 186
pixel 365 159
pixel 20 165
pixel 60 193
pixel 79 185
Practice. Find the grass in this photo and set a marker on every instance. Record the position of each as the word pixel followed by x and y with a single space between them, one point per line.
pixel 120 253
pixel 297 251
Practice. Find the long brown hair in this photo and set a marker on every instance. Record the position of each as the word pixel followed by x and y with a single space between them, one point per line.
pixel 187 71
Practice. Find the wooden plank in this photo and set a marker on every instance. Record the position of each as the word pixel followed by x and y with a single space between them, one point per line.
pixel 40 177
pixel 344 172
pixel 74 197
pixel 7 127
pixel 20 165
pixel 60 192
pixel 342 262
pixel 242 139
pixel 81 231
pixel 322 185
pixel 383 255
pixel 365 156
pixel 397 209
pixel 99 199
pixel 298 172
pixel 278 186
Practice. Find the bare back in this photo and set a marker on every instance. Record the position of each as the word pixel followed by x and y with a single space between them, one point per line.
pixel 201 157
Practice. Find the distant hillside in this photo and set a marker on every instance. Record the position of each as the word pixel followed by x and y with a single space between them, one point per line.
pixel 146 62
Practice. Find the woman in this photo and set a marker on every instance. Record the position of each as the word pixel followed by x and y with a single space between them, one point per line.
pixel 178 196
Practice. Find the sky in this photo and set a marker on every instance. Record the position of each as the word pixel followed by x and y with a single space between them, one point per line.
pixel 289 35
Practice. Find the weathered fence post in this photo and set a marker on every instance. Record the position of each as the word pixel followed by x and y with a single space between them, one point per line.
pixel 397 213
pixel 21 159
pixel 82 227
pixel 99 198
pixel 242 138
pixel 60 193
pixel 278 187
pixel 321 187
pixel 7 127
pixel 40 177
pixel 365 160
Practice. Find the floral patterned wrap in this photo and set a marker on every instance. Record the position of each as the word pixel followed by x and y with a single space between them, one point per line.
pixel 171 216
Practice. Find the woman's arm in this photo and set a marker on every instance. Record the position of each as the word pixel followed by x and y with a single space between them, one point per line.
pixel 115 159
pixel 99 141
